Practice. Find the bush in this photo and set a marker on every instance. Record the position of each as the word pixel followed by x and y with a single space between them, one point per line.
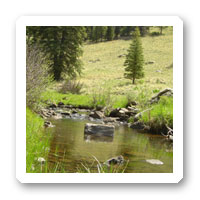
pixel 71 86
pixel 155 33
pixel 102 97
pixel 37 75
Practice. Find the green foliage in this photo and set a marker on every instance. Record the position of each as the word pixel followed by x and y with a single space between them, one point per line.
pixel 61 45
pixel 144 30
pixel 110 33
pixel 161 113
pixel 117 32
pixel 155 33
pixel 134 60
pixel 98 33
pixel 102 97
pixel 71 86
pixel 126 30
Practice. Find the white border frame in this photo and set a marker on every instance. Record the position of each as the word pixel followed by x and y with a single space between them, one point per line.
pixel 21 24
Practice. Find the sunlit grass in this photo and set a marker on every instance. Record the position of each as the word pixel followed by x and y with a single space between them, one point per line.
pixel 37 144
pixel 161 113
pixel 109 70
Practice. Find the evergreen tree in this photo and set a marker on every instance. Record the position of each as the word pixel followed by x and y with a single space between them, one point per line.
pixel 144 30
pixel 117 32
pixel 99 33
pixel 102 30
pixel 110 33
pixel 134 60
pixel 62 46
pixel 95 34
pixel 126 30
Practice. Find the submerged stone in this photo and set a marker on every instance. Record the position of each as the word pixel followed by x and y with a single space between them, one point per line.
pixel 154 162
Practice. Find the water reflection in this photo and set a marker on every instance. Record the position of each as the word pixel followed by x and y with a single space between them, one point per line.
pixel 93 138
pixel 71 147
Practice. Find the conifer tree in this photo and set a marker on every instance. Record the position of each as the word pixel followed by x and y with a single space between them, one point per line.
pixel 134 60
pixel 117 32
pixel 62 46
pixel 110 33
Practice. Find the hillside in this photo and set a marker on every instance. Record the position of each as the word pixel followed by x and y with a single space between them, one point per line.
pixel 103 64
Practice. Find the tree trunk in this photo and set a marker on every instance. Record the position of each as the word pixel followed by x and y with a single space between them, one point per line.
pixel 133 81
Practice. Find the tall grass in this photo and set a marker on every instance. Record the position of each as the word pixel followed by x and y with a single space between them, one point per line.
pixel 37 144
pixel 98 167
pixel 161 114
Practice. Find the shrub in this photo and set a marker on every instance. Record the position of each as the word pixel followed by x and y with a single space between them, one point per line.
pixel 155 33
pixel 71 86
pixel 102 97
pixel 37 75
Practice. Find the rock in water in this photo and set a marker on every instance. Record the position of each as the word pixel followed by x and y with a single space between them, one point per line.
pixel 99 129
pixel 115 160
pixel 154 162
pixel 48 124
pixel 97 115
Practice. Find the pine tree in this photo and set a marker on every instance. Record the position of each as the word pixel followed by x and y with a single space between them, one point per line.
pixel 134 60
pixel 62 46
pixel 95 34
pixel 102 31
pixel 110 33
pixel 117 31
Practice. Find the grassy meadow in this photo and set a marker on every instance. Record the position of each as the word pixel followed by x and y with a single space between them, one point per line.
pixel 104 68
pixel 103 83
pixel 103 73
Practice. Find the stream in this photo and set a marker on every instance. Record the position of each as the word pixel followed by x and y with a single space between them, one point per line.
pixel 71 148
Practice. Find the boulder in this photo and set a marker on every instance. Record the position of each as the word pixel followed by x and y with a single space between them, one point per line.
pixel 48 124
pixel 110 119
pixel 137 125
pixel 66 113
pixel 53 105
pixel 99 129
pixel 114 113
pixel 131 103
pixel 115 160
pixel 97 115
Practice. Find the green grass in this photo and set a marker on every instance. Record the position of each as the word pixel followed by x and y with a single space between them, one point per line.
pixel 83 99
pixel 37 144
pixel 107 74
pixel 160 114
pixel 97 167
pixel 109 71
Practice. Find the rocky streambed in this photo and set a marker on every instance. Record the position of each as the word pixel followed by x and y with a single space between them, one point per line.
pixel 117 117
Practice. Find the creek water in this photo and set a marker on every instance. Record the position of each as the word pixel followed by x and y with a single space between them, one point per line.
pixel 71 148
